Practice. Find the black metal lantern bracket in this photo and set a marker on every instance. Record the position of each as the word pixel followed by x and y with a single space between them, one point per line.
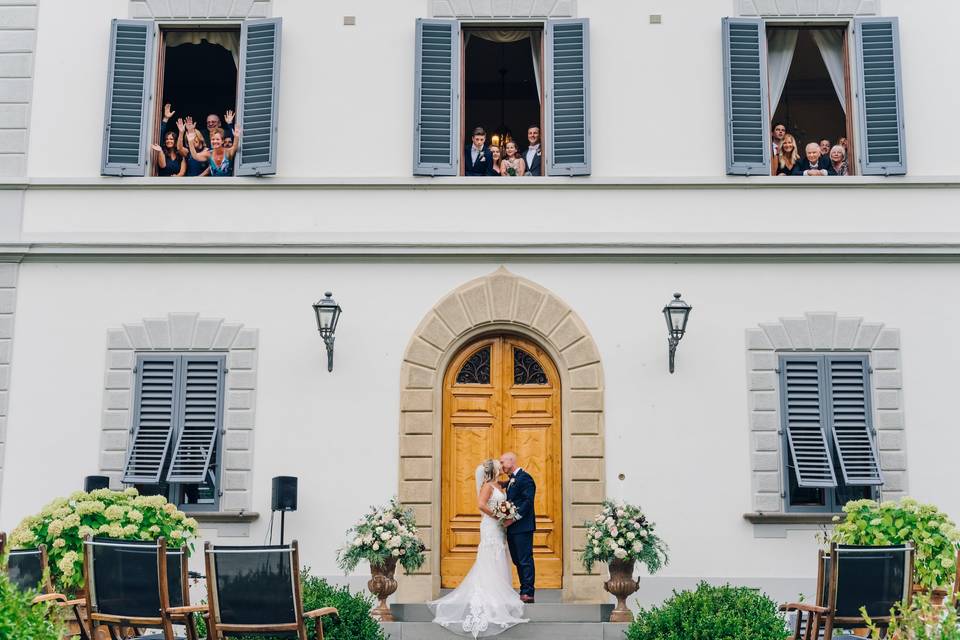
pixel 328 313
pixel 676 313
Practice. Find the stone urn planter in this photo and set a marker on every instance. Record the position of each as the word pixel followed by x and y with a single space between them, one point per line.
pixel 621 585
pixel 382 585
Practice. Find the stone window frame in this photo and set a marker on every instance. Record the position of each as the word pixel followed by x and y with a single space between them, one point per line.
pixel 812 333
pixel 806 8
pixel 201 9
pixel 503 9
pixel 183 333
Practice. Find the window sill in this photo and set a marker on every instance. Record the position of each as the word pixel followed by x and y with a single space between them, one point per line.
pixel 791 518
pixel 223 516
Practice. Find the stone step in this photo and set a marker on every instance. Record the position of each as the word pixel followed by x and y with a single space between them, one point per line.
pixel 544 596
pixel 546 612
pixel 528 631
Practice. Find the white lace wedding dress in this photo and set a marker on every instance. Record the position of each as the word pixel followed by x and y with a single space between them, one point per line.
pixel 485 603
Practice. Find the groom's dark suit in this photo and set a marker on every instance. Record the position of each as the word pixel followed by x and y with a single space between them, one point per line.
pixel 521 491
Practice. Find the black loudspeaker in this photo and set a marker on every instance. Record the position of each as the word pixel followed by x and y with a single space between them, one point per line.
pixel 284 495
pixel 90 483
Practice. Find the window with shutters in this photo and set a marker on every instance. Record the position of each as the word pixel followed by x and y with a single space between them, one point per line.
pixel 176 432
pixel 828 438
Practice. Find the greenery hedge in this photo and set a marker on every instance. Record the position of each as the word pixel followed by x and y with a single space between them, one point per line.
pixel 711 613
pixel 21 619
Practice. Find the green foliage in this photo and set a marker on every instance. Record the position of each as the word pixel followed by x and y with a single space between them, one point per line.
pixel 23 620
pixel 922 621
pixel 934 536
pixel 711 613
pixel 621 532
pixel 63 524
pixel 383 533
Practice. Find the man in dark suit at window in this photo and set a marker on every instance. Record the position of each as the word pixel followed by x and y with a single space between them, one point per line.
pixel 477 156
pixel 533 155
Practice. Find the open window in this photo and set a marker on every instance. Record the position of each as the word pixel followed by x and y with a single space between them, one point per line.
pixel 200 71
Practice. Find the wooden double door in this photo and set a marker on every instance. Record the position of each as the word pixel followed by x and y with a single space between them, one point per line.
pixel 501 393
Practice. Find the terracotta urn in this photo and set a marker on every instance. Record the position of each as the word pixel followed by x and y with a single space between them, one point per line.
pixel 382 585
pixel 621 585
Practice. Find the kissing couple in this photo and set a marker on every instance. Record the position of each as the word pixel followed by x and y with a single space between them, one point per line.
pixel 485 603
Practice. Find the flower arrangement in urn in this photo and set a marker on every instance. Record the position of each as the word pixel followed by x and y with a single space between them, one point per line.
pixel 383 537
pixel 621 535
pixel 64 523
pixel 934 536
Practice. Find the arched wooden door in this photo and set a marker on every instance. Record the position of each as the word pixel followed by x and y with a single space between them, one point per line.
pixel 500 394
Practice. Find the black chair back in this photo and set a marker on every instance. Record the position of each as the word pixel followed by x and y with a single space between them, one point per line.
pixel 872 577
pixel 125 581
pixel 254 585
pixel 25 568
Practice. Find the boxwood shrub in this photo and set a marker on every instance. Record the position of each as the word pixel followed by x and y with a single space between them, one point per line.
pixel 23 620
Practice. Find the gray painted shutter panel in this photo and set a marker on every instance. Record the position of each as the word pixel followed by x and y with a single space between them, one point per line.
pixel 746 96
pixel 803 408
pixel 154 415
pixel 129 78
pixel 257 95
pixel 851 420
pixel 880 97
pixel 567 68
pixel 200 418
pixel 436 109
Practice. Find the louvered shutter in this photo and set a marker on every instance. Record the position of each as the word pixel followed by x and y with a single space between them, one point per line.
pixel 567 65
pixel 129 91
pixel 436 109
pixel 803 406
pixel 258 93
pixel 199 419
pixel 880 97
pixel 851 420
pixel 154 414
pixel 746 96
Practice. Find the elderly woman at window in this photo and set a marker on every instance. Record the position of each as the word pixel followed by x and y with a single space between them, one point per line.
pixel 838 161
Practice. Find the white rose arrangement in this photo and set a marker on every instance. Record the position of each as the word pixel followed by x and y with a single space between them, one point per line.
pixel 622 532
pixel 385 533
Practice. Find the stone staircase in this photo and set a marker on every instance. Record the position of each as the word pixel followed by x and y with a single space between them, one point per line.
pixel 549 620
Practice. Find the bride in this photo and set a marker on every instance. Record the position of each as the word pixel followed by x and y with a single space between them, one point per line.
pixel 485 603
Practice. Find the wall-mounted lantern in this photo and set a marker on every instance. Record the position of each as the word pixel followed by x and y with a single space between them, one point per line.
pixel 677 312
pixel 328 314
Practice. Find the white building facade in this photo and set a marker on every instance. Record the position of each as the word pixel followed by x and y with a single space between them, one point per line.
pixel 829 297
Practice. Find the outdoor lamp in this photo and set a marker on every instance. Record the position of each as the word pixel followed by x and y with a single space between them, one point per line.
pixel 676 313
pixel 328 314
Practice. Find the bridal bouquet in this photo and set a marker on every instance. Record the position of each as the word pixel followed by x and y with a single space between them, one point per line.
pixel 506 510
pixel 622 532
pixel 383 534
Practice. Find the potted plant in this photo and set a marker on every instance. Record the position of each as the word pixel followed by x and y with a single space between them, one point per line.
pixel 933 535
pixel 620 535
pixel 924 620
pixel 383 537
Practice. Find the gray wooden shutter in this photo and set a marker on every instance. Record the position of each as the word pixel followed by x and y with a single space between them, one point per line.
pixel 803 406
pixel 436 111
pixel 880 97
pixel 200 418
pixel 746 96
pixel 567 70
pixel 851 420
pixel 154 416
pixel 130 76
pixel 257 96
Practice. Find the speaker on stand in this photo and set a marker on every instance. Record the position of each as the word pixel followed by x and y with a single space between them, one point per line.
pixel 92 483
pixel 283 498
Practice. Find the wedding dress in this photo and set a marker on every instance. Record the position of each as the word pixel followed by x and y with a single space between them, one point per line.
pixel 485 603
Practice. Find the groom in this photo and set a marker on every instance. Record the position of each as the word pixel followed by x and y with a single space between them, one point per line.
pixel 521 490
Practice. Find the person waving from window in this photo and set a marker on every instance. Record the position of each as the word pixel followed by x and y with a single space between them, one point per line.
pixel 219 158
pixel 169 160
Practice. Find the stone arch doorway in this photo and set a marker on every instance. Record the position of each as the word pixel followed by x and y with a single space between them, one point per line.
pixel 502 302
pixel 500 393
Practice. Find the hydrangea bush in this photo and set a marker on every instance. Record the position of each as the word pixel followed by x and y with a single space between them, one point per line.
pixel 622 532
pixel 384 533
pixel 934 536
pixel 64 523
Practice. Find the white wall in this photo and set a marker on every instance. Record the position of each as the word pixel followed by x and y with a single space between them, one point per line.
pixel 346 96
pixel 681 440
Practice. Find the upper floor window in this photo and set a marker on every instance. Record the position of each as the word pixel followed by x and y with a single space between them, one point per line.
pixel 813 100
pixel 829 449
pixel 176 432
pixel 509 102
pixel 201 74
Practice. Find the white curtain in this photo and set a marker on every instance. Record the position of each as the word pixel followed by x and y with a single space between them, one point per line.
pixel 504 36
pixel 229 40
pixel 830 42
pixel 781 44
